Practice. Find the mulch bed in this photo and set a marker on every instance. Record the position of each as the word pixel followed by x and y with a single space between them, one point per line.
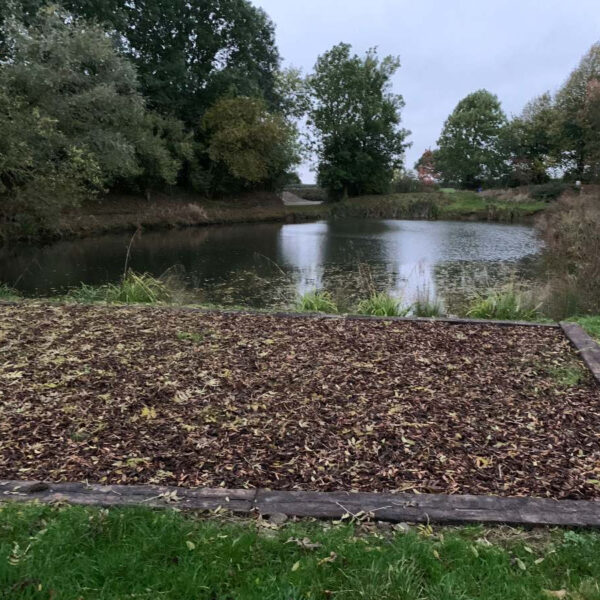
pixel 153 395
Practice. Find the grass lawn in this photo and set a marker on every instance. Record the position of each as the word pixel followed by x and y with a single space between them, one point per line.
pixel 176 397
pixel 74 553
pixel 590 324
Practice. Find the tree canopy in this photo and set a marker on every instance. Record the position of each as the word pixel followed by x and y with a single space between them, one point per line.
pixel 356 121
pixel 471 145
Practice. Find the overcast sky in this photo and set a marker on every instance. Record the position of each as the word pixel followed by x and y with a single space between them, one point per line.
pixel 516 49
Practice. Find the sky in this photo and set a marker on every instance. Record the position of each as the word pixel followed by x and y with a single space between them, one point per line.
pixel 517 49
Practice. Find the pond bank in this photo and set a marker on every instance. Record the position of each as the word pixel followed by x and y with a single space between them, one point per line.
pixel 121 213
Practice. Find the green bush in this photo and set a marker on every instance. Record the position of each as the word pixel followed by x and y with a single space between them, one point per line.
pixel 424 307
pixel 510 304
pixel 381 304
pixel 308 192
pixel 548 191
pixel 316 301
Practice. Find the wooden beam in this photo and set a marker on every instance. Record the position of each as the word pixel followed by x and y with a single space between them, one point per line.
pixel 586 346
pixel 396 508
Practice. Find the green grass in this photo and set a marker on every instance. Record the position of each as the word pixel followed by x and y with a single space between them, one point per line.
pixel 134 288
pixel 316 301
pixel 509 303
pixel 8 293
pixel 381 304
pixel 71 553
pixel 567 376
pixel 590 324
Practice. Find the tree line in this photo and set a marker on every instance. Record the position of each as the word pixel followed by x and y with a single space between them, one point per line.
pixel 147 95
pixel 556 136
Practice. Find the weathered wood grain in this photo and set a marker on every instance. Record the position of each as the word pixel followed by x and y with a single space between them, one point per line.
pixel 586 346
pixel 124 495
pixel 324 505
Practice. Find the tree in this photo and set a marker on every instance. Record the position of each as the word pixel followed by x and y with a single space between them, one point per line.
pixel 471 149
pixel 188 53
pixel 356 122
pixel 530 142
pixel 41 173
pixel 85 125
pixel 577 129
pixel 426 168
pixel 254 146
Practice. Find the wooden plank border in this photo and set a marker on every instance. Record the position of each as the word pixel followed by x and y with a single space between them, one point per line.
pixel 586 346
pixel 395 508
pixel 294 315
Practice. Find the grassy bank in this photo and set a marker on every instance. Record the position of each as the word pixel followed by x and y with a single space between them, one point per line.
pixel 126 553
pixel 126 213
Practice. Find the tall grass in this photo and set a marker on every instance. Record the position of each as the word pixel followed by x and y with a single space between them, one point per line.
pixel 316 301
pixel 426 306
pixel 133 288
pixel 509 303
pixel 8 293
pixel 571 232
pixel 380 304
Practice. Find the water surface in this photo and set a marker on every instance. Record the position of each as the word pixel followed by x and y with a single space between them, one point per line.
pixel 267 265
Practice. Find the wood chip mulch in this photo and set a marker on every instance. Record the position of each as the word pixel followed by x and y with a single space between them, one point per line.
pixel 155 395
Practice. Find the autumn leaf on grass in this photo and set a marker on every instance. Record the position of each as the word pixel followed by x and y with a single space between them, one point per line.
pixel 148 412
pixel 296 566
pixel 304 543
pixel 328 559
pixel 555 593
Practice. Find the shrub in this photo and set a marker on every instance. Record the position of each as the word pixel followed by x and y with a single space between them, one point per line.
pixel 548 191
pixel 427 308
pixel 316 301
pixel 510 304
pixel 380 304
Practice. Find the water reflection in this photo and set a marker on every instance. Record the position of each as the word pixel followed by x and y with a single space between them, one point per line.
pixel 268 264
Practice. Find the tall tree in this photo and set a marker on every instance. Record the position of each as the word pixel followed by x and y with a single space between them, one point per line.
pixel 253 145
pixel 531 141
pixel 577 127
pixel 426 168
pixel 356 121
pixel 84 121
pixel 471 149
pixel 188 53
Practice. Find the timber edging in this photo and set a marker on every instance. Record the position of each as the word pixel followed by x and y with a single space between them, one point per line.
pixel 585 345
pixel 397 508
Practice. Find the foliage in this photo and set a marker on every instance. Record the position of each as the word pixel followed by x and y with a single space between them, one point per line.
pixel 571 232
pixel 590 324
pixel 355 119
pixel 531 142
pixel 470 146
pixel 74 121
pixel 255 146
pixel 215 48
pixel 133 288
pixel 509 303
pixel 425 306
pixel 380 304
pixel 316 301
pixel 309 192
pixel 41 173
pixel 578 119
pixel 426 168
pixel 172 555
pixel 7 292
pixel 548 191
pixel 406 183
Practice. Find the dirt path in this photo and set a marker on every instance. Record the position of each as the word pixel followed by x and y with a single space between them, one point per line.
pixel 290 199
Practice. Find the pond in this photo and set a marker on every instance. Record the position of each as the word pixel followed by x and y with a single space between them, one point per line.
pixel 267 265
